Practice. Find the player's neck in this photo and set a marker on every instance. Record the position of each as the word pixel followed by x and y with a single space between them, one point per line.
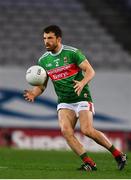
pixel 57 49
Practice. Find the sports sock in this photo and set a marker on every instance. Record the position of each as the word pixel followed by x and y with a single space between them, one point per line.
pixel 87 159
pixel 115 152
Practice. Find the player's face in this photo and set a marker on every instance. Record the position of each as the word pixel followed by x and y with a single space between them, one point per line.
pixel 51 41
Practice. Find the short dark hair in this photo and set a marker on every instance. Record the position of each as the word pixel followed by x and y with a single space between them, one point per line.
pixel 53 28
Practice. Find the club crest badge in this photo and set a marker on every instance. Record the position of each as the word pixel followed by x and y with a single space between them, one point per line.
pixel 65 60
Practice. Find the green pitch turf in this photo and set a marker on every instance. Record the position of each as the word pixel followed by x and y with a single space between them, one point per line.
pixel 34 164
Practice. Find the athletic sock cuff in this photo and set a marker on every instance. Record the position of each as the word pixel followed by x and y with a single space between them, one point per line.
pixel 82 156
pixel 112 148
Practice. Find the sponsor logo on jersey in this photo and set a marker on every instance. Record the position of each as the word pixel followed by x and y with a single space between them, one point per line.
pixel 63 72
pixel 56 60
pixel 48 65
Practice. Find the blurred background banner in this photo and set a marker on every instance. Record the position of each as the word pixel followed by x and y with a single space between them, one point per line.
pixel 102 31
pixel 110 91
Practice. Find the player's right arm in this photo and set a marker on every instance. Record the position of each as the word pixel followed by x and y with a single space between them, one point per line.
pixel 30 95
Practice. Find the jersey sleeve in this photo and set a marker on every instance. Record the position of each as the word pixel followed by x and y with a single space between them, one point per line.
pixel 40 62
pixel 79 57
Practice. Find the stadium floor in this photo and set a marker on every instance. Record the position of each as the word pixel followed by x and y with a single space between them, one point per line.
pixel 38 164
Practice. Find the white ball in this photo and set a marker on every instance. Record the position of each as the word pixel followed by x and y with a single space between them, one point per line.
pixel 36 75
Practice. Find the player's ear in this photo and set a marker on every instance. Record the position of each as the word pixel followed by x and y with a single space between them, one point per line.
pixel 59 39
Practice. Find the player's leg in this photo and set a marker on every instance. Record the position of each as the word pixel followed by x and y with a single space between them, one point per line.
pixel 67 122
pixel 86 124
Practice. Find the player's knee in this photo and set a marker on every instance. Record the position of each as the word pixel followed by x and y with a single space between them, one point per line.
pixel 66 131
pixel 87 131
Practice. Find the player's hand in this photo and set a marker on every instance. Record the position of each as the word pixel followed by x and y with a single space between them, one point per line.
pixel 78 87
pixel 29 96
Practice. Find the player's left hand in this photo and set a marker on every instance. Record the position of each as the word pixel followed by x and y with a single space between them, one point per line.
pixel 78 87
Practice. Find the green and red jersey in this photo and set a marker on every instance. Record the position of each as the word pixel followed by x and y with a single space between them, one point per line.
pixel 63 68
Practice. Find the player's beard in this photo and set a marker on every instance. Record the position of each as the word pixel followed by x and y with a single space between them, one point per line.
pixel 51 48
